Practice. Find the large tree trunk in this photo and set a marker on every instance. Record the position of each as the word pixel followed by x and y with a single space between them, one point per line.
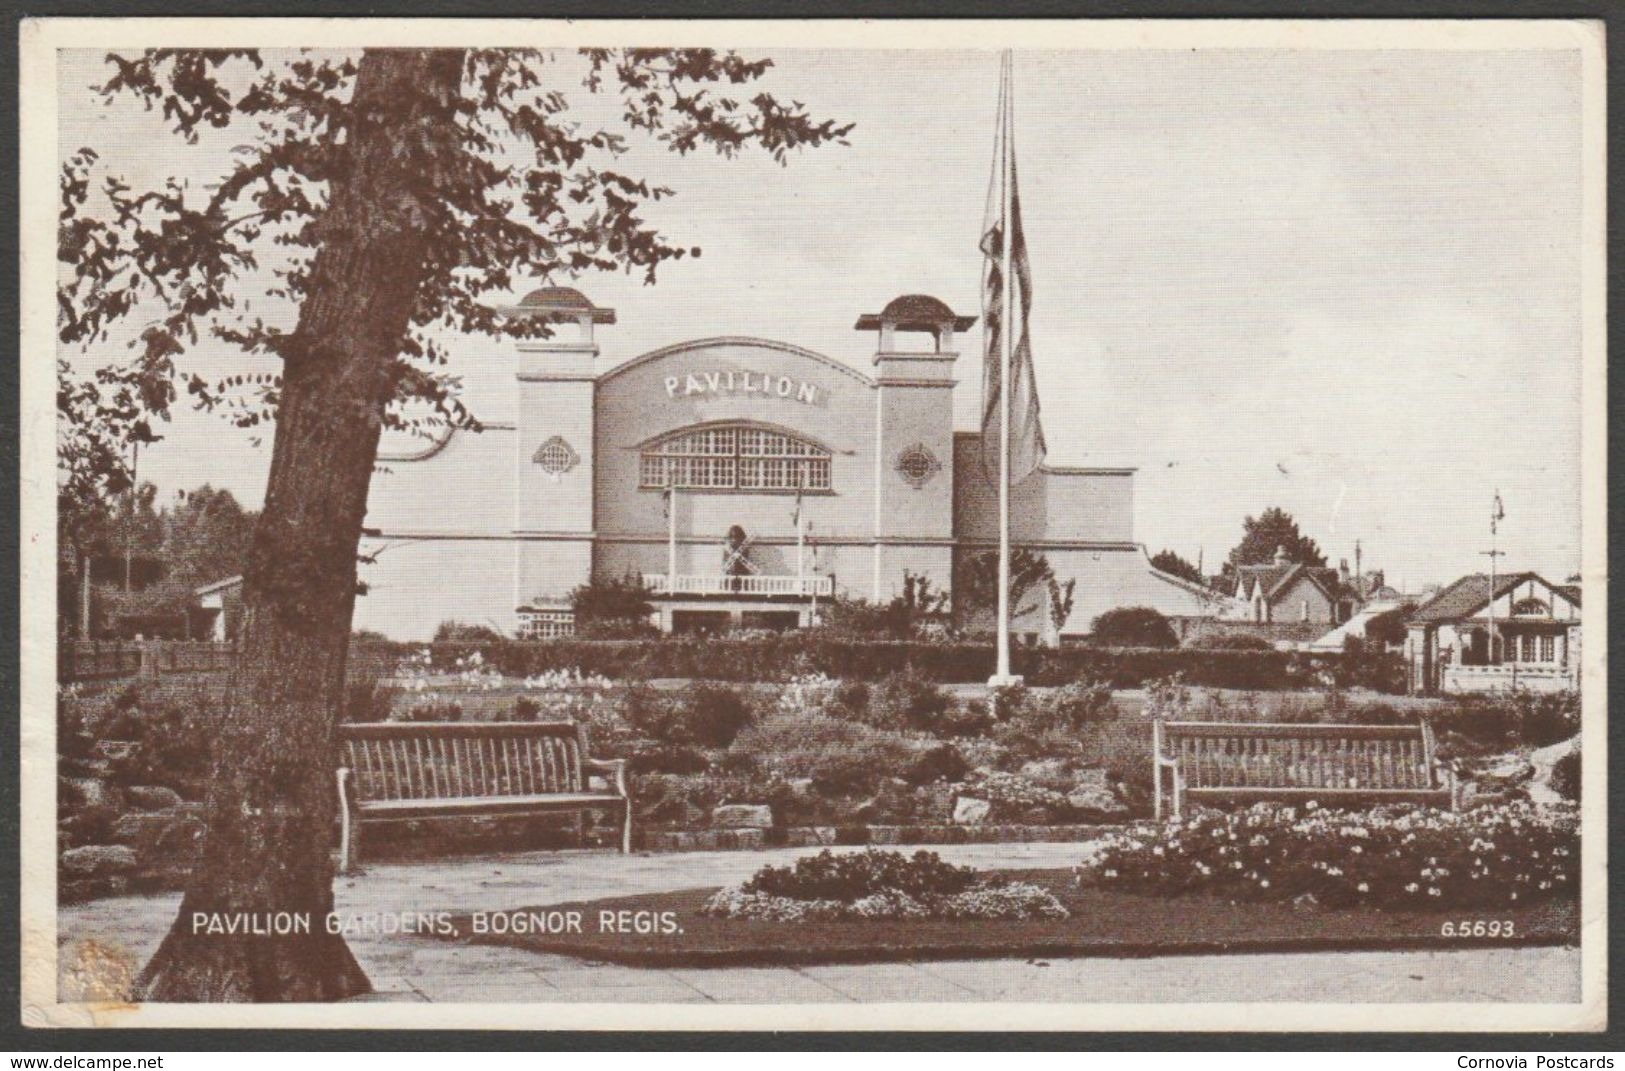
pixel 272 799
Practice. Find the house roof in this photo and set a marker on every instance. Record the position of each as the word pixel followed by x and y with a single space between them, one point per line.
pixel 1275 578
pixel 218 585
pixel 1467 596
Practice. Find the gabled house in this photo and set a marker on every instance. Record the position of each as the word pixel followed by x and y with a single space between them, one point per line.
pixel 1521 632
pixel 1283 591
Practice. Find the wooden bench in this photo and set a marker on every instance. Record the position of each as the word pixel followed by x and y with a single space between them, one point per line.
pixel 410 770
pixel 1327 763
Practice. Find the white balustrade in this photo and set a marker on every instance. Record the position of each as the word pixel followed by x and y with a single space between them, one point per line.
pixel 799 586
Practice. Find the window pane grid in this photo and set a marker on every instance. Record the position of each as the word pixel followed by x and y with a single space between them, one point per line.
pixel 730 458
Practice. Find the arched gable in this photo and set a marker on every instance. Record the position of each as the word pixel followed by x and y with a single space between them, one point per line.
pixel 721 341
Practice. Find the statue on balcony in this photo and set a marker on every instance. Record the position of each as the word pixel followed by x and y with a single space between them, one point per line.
pixel 736 561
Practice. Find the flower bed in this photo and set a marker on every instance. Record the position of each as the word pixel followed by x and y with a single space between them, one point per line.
pixel 1392 858
pixel 879 885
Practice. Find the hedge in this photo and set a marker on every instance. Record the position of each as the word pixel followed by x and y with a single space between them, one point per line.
pixel 779 657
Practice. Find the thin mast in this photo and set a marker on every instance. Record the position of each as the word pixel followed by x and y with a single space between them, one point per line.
pixel 1006 317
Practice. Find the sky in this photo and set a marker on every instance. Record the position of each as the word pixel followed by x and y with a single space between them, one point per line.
pixel 1344 283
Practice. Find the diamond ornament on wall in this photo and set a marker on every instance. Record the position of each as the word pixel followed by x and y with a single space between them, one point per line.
pixel 556 457
pixel 918 465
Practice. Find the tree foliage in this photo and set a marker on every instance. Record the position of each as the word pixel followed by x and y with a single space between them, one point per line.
pixel 1133 626
pixel 1173 564
pixel 508 185
pixel 976 586
pixel 1270 531
pixel 919 604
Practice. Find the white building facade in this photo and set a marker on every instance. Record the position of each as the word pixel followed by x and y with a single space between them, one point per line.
pixel 743 479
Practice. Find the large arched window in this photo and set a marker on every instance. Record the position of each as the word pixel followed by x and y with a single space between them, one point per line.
pixel 735 457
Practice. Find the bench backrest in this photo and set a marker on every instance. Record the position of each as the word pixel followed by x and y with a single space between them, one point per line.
pixel 1222 755
pixel 462 760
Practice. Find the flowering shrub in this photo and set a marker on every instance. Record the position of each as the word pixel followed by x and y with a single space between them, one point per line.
pixel 876 885
pixel 559 680
pixel 808 694
pixel 850 876
pixel 1012 795
pixel 1389 857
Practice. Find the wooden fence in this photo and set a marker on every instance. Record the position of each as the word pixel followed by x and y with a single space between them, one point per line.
pixel 104 660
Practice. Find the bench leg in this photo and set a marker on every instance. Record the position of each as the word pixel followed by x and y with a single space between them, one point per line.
pixel 349 828
pixel 581 829
pixel 626 827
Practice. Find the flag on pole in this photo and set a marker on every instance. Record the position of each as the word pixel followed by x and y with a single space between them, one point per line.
pixel 1497 512
pixel 1026 431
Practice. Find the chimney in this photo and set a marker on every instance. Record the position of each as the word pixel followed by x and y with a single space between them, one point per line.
pixel 1280 554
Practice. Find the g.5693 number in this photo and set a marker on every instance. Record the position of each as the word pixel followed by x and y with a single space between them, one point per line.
pixel 1477 928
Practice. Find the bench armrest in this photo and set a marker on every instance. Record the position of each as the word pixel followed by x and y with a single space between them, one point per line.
pixel 614 769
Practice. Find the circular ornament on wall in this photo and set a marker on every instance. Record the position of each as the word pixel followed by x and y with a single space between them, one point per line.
pixel 918 465
pixel 556 457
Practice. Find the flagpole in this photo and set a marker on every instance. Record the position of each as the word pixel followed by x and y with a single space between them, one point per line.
pixel 1006 337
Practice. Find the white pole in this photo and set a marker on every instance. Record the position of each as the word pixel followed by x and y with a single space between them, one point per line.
pixel 671 538
pixel 1007 317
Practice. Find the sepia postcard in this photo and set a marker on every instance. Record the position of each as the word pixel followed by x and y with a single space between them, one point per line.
pixel 814 525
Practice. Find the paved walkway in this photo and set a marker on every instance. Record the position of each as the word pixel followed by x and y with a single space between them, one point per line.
pixel 426 969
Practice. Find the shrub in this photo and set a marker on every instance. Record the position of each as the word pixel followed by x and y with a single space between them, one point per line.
pixel 1167 698
pixel 1510 719
pixel 1133 626
pixel 459 632
pixel 849 876
pixel 1566 776
pixel 1370 665
pixel 526 709
pixel 942 762
pixel 967 721
pixel 1232 641
pixel 667 759
pixel 367 698
pixel 712 715
pixel 1388 857
pixel 1076 705
pixel 172 730
pixel 906 701
pixel 432 708
pixel 610 607
pixel 1008 702
pixel 842 757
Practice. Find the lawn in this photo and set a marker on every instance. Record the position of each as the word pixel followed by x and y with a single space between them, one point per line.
pixel 1102 923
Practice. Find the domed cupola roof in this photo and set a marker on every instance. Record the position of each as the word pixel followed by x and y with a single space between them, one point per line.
pixel 562 303
pixel 915 312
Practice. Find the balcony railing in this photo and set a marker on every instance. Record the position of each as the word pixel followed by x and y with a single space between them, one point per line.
pixel 1531 676
pixel 795 586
